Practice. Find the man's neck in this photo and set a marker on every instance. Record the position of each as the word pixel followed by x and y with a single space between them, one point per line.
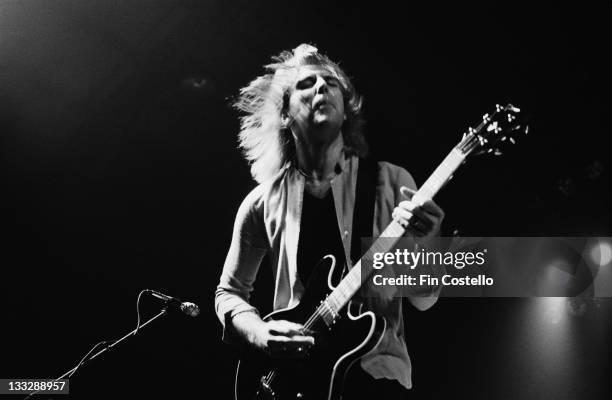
pixel 318 160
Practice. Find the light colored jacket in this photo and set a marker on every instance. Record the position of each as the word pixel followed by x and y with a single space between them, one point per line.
pixel 268 222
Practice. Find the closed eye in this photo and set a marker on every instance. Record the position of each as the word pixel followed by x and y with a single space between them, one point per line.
pixel 309 82
pixel 306 83
pixel 332 81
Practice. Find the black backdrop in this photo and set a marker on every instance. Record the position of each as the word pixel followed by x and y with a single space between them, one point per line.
pixel 119 174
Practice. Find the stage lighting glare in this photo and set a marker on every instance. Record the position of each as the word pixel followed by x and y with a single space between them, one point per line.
pixel 554 309
pixel 601 253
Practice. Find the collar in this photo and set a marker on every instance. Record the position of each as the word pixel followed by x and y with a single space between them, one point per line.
pixel 340 167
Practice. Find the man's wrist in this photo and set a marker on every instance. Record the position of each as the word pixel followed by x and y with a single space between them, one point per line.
pixel 249 310
pixel 247 324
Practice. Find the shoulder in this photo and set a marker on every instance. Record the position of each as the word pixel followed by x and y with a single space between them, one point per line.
pixel 395 175
pixel 252 201
pixel 261 195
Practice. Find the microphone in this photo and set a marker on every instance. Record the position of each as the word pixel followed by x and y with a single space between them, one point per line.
pixel 187 307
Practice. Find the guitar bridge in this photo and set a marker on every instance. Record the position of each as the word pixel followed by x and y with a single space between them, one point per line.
pixel 266 389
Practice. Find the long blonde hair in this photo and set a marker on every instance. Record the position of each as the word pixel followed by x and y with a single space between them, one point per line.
pixel 266 143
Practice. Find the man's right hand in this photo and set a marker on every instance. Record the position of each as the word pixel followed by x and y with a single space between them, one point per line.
pixel 280 339
pixel 283 339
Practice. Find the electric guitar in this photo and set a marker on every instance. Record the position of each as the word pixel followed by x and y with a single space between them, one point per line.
pixel 343 334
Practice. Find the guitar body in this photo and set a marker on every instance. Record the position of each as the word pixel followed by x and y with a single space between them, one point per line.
pixel 320 373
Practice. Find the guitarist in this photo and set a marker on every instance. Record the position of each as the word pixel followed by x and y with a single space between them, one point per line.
pixel 301 133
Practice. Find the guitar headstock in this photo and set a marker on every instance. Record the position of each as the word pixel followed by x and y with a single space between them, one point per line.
pixel 497 129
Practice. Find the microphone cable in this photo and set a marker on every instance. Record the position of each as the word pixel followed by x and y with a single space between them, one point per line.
pixel 88 356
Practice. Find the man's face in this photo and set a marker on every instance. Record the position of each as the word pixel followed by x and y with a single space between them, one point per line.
pixel 316 102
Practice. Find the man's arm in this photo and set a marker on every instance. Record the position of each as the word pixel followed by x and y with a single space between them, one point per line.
pixel 242 262
pixel 240 319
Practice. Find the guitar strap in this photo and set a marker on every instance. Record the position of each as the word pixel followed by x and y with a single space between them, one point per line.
pixel 363 213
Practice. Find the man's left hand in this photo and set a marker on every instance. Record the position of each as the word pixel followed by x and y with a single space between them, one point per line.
pixel 423 221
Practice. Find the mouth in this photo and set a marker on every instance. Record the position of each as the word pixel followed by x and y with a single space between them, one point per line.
pixel 319 104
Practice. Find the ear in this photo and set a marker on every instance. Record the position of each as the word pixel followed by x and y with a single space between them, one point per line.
pixel 284 120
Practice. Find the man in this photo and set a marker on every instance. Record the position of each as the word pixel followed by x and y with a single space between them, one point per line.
pixel 302 134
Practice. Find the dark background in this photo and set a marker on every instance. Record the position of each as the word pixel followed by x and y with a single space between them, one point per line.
pixel 119 173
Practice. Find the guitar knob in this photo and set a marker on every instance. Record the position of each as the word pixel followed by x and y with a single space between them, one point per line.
pixel 299 396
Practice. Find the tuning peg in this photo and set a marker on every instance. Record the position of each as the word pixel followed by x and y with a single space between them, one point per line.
pixel 503 139
pixel 512 108
pixel 527 129
pixel 497 152
pixel 492 127
pixel 498 107
pixel 512 140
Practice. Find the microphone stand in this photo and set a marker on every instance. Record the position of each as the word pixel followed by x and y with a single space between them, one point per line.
pixel 163 312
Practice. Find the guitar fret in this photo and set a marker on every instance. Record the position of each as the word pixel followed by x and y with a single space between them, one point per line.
pixel 439 177
pixel 333 303
pixel 345 292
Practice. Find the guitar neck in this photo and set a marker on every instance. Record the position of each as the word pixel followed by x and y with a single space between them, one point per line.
pixel 392 234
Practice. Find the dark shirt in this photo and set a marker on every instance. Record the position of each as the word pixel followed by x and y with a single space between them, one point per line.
pixel 319 236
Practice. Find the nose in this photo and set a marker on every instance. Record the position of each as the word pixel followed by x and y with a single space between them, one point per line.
pixel 321 86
